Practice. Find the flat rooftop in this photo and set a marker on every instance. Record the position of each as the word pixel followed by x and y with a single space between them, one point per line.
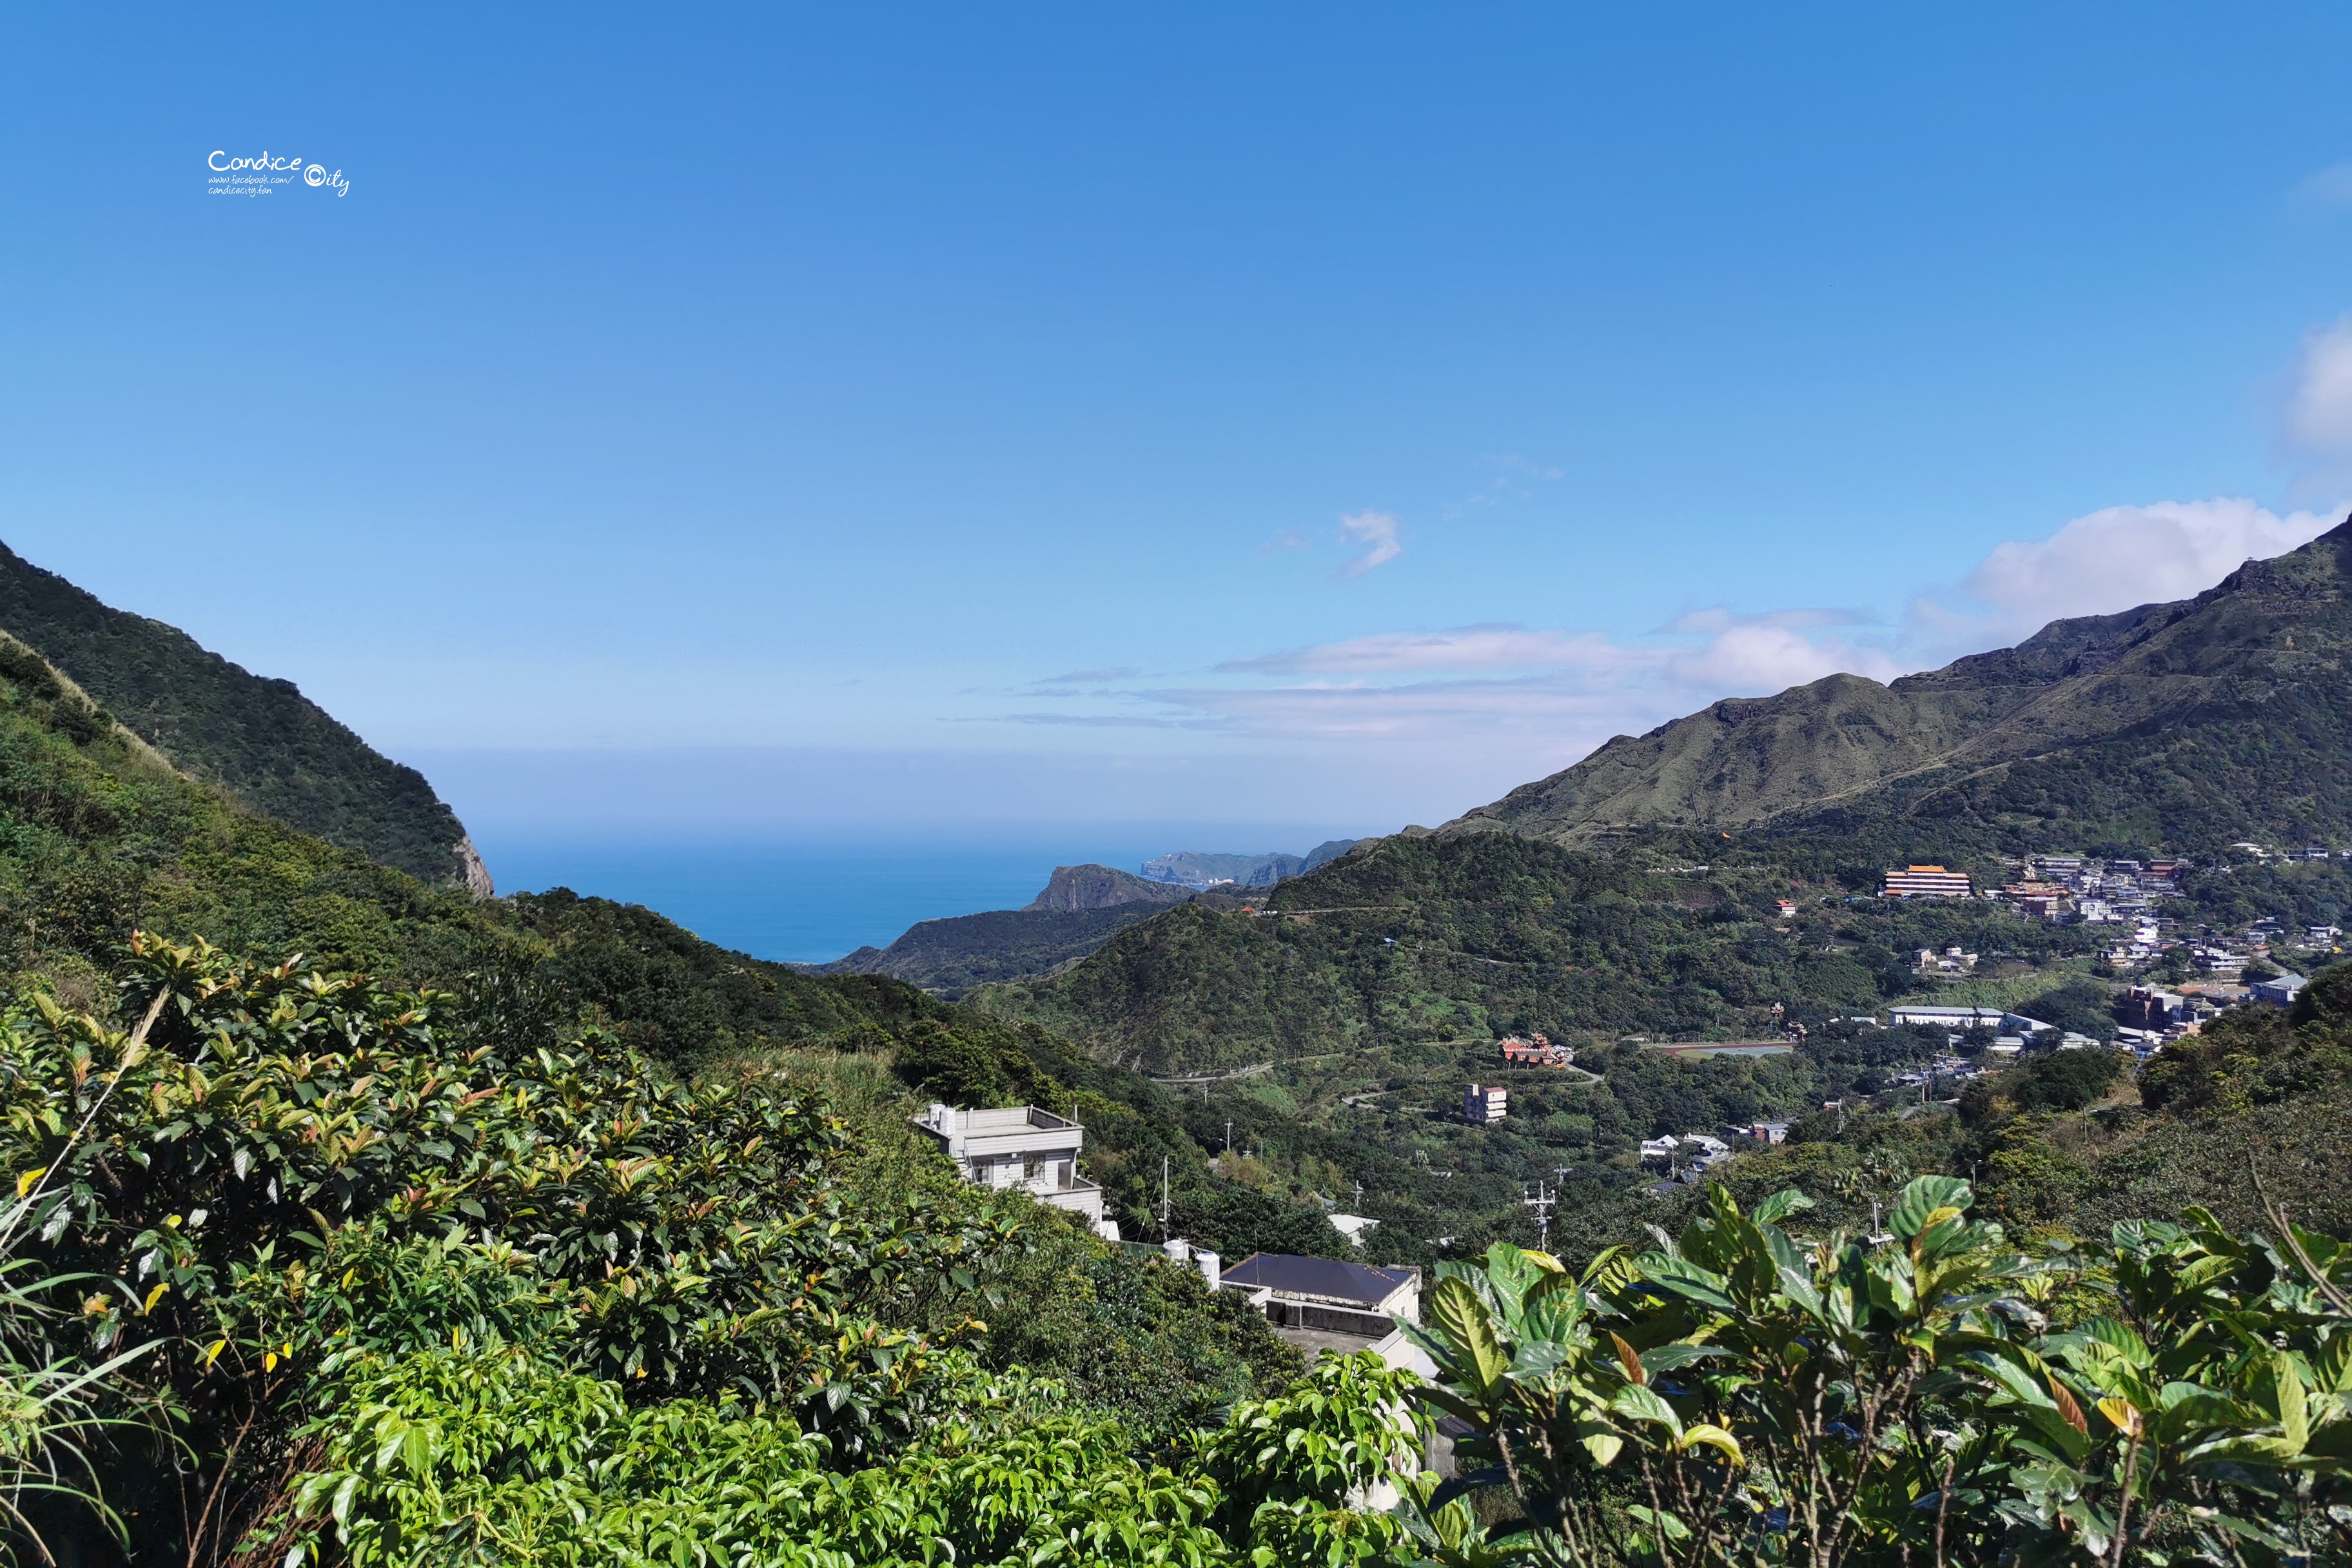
pixel 1328 1278
pixel 999 1119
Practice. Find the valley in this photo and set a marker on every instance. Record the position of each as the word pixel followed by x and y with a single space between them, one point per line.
pixel 2113 877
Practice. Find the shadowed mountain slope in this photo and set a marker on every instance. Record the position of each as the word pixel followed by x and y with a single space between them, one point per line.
pixel 271 748
pixel 2186 724
pixel 1081 908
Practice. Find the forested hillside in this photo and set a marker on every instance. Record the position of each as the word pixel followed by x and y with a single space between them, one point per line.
pixel 273 750
pixel 1428 939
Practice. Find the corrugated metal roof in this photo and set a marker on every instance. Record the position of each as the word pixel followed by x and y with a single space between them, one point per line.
pixel 1317 1276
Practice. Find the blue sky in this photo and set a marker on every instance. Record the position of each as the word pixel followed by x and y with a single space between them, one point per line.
pixel 787 421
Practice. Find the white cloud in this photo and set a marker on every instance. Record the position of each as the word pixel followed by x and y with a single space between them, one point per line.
pixel 2122 556
pixel 2331 186
pixel 1377 532
pixel 2318 414
pixel 1718 619
pixel 1759 659
pixel 1508 478
pixel 1558 708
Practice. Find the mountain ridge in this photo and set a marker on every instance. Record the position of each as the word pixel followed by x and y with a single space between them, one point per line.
pixel 2086 681
pixel 258 738
pixel 1092 887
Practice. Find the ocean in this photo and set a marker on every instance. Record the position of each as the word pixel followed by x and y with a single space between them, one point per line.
pixel 808 903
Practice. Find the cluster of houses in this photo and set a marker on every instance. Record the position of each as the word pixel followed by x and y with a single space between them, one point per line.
pixel 2093 891
pixel 2049 886
pixel 1687 1157
pixel 1535 1050
pixel 2125 893
pixel 2148 1016
pixel 2309 852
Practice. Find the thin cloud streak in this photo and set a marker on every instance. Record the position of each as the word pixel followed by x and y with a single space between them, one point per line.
pixel 1466 648
pixel 1377 532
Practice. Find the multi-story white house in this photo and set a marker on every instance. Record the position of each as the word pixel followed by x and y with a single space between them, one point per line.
pixel 1023 1147
pixel 1927 883
pixel 1484 1103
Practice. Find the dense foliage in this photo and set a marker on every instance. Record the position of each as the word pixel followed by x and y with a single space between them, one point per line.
pixel 408 1273
pixel 1747 1393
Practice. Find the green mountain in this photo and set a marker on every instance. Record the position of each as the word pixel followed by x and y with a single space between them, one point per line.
pixel 101 835
pixel 2182 727
pixel 955 953
pixel 261 740
pixel 1081 908
pixel 1074 888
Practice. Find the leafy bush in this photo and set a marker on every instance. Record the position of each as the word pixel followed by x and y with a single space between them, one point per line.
pixel 402 1280
pixel 2065 1081
pixel 1745 1394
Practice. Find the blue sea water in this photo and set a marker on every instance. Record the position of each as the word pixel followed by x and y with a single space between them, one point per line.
pixel 807 903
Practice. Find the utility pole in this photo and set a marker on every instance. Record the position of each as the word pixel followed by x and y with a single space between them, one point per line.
pixel 1163 1198
pixel 1541 1203
pixel 1229 1137
pixel 1360 1195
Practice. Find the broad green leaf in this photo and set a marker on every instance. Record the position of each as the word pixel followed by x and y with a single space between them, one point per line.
pixel 1456 1311
pixel 1687 1281
pixel 1920 1200
pixel 1712 1436
pixel 1637 1402
pixel 2294 1423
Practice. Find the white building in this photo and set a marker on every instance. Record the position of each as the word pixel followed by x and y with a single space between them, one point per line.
pixel 1484 1104
pixel 1020 1146
pixel 1962 1019
pixel 1353 1227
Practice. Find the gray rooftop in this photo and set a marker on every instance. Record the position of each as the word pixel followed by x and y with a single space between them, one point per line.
pixel 1326 1277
